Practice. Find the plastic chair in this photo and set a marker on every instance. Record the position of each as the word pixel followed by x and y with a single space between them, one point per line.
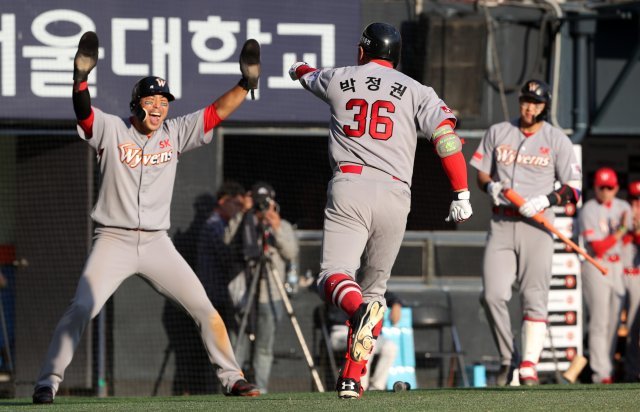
pixel 439 318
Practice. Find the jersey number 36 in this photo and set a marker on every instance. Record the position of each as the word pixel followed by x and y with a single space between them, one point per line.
pixel 380 127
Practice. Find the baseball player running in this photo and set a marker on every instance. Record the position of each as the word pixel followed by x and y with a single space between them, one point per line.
pixel 603 223
pixel 528 155
pixel 375 111
pixel 631 261
pixel 137 164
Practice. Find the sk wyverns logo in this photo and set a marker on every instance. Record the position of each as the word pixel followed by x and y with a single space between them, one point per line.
pixel 506 155
pixel 132 155
pixel 160 82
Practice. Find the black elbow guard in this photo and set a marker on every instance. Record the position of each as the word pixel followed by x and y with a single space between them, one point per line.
pixel 566 194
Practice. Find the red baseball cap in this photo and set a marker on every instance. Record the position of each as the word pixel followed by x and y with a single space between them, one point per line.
pixel 605 176
pixel 634 188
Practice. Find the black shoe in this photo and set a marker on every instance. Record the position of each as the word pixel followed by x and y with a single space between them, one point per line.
pixel 348 388
pixel 43 394
pixel 505 375
pixel 243 388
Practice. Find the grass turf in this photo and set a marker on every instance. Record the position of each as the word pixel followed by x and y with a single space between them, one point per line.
pixel 545 397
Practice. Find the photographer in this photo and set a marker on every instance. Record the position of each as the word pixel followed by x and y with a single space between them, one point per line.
pixel 269 244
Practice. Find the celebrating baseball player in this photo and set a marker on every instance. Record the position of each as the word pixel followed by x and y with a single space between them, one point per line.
pixel 527 155
pixel 137 164
pixel 631 261
pixel 375 111
pixel 603 224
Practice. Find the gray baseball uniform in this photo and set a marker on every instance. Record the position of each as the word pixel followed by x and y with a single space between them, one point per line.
pixel 631 261
pixel 518 249
pixel 603 295
pixel 375 111
pixel 132 215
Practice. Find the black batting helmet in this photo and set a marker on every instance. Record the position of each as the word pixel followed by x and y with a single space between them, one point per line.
pixel 538 91
pixel 149 86
pixel 382 41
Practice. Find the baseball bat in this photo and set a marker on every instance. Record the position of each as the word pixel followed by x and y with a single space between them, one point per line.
pixel 577 365
pixel 513 196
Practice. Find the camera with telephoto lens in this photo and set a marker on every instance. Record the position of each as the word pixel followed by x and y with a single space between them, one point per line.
pixel 263 196
pixel 261 203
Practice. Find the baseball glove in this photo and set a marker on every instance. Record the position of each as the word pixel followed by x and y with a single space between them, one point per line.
pixel 86 57
pixel 250 65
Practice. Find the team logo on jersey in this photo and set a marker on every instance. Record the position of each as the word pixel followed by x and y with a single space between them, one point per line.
pixel 507 155
pixel 446 109
pixel 544 150
pixel 576 168
pixel 132 155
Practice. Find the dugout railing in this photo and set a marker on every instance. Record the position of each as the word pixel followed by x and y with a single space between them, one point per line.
pixel 431 257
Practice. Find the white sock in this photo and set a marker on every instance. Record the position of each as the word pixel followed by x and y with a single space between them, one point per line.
pixel 533 336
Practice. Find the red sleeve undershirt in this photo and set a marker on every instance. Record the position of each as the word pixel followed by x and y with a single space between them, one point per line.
pixel 211 118
pixel 87 125
pixel 455 166
pixel 600 247
pixel 628 238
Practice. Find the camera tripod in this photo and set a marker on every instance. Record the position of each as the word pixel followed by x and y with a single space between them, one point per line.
pixel 261 267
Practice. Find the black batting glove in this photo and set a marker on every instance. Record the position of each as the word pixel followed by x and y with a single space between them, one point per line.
pixel 250 65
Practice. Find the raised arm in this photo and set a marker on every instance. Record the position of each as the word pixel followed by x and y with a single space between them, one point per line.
pixel 250 68
pixel 85 60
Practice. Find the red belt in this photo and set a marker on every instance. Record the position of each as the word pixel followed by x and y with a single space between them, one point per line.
pixel 357 170
pixel 506 211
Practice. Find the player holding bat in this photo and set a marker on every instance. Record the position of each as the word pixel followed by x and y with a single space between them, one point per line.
pixel 528 155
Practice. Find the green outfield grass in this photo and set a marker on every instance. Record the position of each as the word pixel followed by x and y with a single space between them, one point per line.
pixel 546 397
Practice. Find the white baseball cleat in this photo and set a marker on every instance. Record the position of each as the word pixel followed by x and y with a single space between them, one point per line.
pixel 528 374
pixel 362 323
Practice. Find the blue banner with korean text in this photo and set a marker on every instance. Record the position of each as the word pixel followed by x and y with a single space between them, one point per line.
pixel 193 44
